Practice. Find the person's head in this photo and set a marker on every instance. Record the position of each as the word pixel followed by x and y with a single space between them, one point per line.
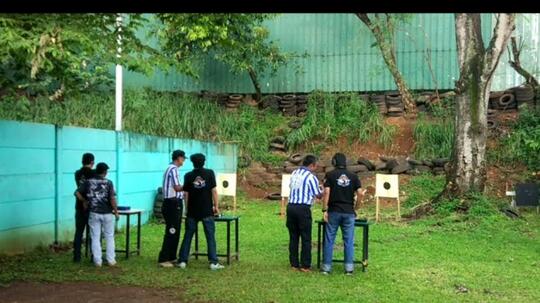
pixel 198 160
pixel 178 157
pixel 310 162
pixel 102 169
pixel 88 160
pixel 339 160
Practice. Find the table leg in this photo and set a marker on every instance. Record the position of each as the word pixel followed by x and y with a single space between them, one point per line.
pixel 228 242
pixel 365 248
pixel 197 241
pixel 319 245
pixel 127 235
pixel 236 239
pixel 138 234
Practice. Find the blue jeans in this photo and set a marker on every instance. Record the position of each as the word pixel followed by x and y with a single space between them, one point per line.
pixel 209 231
pixel 346 222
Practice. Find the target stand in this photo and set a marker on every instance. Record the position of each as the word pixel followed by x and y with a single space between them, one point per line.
pixel 226 186
pixel 285 192
pixel 386 186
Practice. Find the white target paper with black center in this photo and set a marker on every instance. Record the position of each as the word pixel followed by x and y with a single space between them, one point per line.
pixel 226 184
pixel 386 186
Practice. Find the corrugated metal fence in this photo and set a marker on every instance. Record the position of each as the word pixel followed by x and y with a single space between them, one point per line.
pixel 341 57
pixel 37 175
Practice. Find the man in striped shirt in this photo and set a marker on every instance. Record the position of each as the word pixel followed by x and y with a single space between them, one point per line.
pixel 172 210
pixel 304 189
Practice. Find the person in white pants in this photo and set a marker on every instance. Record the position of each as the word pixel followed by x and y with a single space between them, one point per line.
pixel 98 194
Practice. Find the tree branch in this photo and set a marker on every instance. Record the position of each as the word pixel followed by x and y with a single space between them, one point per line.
pixel 501 33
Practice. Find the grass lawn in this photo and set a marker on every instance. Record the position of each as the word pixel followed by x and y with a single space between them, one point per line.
pixel 496 259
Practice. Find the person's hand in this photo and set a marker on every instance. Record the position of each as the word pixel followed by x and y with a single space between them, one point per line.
pixel 325 216
pixel 216 210
pixel 117 215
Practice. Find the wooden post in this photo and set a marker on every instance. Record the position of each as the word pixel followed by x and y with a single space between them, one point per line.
pixel 398 209
pixel 282 210
pixel 377 209
pixel 234 205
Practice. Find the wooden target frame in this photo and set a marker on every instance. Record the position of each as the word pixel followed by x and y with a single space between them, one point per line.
pixel 386 186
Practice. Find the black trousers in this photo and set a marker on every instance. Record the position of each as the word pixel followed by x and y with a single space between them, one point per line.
pixel 299 224
pixel 81 220
pixel 172 213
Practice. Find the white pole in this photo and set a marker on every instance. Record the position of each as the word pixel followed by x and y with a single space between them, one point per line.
pixel 118 98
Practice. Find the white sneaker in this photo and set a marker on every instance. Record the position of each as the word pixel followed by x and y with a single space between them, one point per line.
pixel 181 265
pixel 216 266
pixel 166 264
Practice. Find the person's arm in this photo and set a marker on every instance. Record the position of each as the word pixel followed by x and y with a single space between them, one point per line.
pixel 316 187
pixel 81 192
pixel 325 203
pixel 114 204
pixel 359 198
pixel 177 187
pixel 216 201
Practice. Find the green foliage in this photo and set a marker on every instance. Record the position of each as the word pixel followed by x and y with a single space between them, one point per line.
pixel 238 40
pixel 522 145
pixel 423 188
pixel 162 114
pixel 434 136
pixel 330 116
pixel 55 54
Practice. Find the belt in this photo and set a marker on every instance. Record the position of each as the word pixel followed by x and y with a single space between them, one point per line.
pixel 299 204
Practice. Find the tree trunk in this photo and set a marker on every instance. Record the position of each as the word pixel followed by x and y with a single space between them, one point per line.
pixel 388 53
pixel 477 65
pixel 256 85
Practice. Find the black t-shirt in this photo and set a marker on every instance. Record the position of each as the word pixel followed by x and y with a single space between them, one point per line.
pixel 343 185
pixel 82 175
pixel 199 183
pixel 99 192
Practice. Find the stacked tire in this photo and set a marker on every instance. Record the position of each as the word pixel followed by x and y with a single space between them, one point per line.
pixel 524 95
pixel 271 102
pixel 277 144
pixel 158 203
pixel 394 104
pixel 301 105
pixel 491 119
pixel 233 102
pixel 494 99
pixel 380 102
pixel 506 101
pixel 288 105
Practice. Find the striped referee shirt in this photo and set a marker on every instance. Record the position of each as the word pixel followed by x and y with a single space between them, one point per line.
pixel 170 179
pixel 304 187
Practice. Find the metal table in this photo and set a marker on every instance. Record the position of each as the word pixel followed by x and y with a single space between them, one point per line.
pixel 127 250
pixel 321 226
pixel 229 255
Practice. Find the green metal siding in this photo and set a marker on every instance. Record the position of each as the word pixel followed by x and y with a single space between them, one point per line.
pixel 341 57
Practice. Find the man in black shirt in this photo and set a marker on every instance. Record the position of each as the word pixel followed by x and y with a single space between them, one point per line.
pixel 81 211
pixel 339 210
pixel 202 204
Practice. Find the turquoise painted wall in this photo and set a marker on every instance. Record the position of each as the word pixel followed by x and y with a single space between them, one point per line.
pixel 31 154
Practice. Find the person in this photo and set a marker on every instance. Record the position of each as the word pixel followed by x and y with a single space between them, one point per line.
pixel 81 211
pixel 304 188
pixel 98 193
pixel 339 211
pixel 202 205
pixel 172 210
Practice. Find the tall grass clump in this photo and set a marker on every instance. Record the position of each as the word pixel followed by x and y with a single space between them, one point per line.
pixel 330 116
pixel 434 136
pixel 522 144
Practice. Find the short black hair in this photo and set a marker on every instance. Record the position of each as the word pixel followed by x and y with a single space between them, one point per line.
pixel 308 160
pixel 101 168
pixel 178 153
pixel 198 160
pixel 87 158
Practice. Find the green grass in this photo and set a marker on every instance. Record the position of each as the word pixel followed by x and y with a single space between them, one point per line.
pixel 420 261
pixel 434 135
pixel 330 116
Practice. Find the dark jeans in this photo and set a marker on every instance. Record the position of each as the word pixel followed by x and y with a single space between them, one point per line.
pixel 81 219
pixel 172 213
pixel 299 224
pixel 209 231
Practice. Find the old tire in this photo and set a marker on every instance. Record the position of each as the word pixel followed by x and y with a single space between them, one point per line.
pixel 274 196
pixel 366 162
pixel 295 158
pixel 505 100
